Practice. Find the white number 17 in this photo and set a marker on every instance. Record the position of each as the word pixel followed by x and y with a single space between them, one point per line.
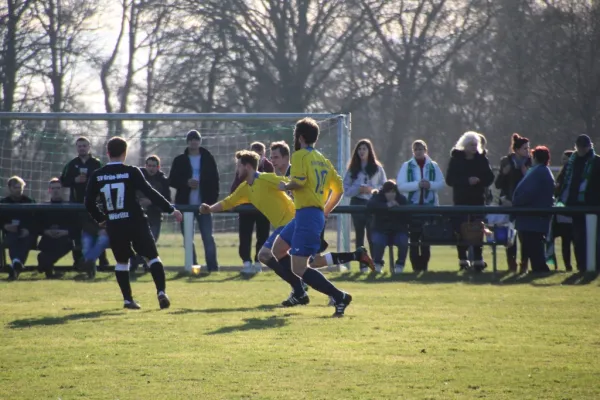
pixel 107 193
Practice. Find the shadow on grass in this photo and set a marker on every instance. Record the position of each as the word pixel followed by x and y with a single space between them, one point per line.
pixel 251 324
pixel 49 321
pixel 484 278
pixel 263 307
pixel 201 278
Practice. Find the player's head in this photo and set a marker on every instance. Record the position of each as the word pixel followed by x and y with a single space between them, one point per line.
pixel 16 185
pixel 152 164
pixel 55 189
pixel 193 140
pixel 83 146
pixel 306 133
pixel 117 149
pixel 247 163
pixel 280 155
pixel 390 190
pixel 259 148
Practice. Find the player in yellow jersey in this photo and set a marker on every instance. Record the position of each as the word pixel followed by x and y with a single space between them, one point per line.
pixel 317 189
pixel 262 191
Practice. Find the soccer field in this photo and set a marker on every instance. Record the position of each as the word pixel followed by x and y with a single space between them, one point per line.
pixel 440 335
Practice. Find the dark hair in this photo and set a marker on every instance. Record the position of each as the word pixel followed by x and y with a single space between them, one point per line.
pixel 82 139
pixel 15 179
pixel 541 154
pixel 54 180
pixel 282 146
pixel 258 146
pixel 518 141
pixel 116 147
pixel 568 153
pixel 354 166
pixel 389 186
pixel 248 157
pixel 308 129
pixel 154 158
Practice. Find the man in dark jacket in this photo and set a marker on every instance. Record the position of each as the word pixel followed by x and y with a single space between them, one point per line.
pixel 56 229
pixel 18 227
pixel 581 187
pixel 75 176
pixel 247 221
pixel 195 177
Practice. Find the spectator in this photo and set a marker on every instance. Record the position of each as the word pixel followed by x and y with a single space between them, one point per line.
pixel 513 168
pixel 389 227
pixel 536 189
pixel 195 177
pixel 247 221
pixel 562 225
pixel 74 177
pixel 420 179
pixel 158 181
pixel 18 228
pixel 94 241
pixel 489 195
pixel 581 187
pixel 469 175
pixel 364 175
pixel 280 157
pixel 57 229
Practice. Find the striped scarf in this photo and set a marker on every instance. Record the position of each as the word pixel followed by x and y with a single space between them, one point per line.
pixel 428 173
pixel 584 181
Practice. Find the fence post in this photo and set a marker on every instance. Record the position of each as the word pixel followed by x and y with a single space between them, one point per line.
pixel 188 239
pixel 591 224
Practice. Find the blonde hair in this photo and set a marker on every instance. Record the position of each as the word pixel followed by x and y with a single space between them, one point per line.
pixel 469 137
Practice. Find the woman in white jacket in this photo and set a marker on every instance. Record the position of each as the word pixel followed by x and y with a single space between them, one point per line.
pixel 364 175
pixel 420 179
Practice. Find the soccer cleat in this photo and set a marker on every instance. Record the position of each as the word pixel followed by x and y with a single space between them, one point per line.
pixel 257 267
pixel 247 268
pixel 362 256
pixel 340 306
pixel 17 268
pixel 364 270
pixel 398 269
pixel 378 268
pixel 296 301
pixel 131 305
pixel 163 300
pixel 89 266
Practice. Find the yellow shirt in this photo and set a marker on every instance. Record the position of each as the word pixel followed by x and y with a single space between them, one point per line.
pixel 265 195
pixel 317 176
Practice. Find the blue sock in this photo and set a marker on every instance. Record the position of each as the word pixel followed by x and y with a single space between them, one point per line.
pixel 317 281
pixel 290 277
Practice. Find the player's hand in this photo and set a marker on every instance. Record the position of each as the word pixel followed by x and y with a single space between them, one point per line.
pixel 23 233
pixel 282 186
pixel 424 184
pixel 11 228
pixel 204 209
pixel 366 189
pixel 193 183
pixel 102 225
pixel 178 216
pixel 473 180
pixel 144 202
pixel 80 179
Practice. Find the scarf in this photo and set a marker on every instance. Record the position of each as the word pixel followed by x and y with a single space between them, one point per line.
pixel 569 176
pixel 428 173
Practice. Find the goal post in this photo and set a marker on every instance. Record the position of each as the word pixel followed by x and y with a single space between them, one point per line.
pixel 38 145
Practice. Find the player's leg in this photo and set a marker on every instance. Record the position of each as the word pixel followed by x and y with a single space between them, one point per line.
pixel 266 256
pixel 205 224
pixel 334 258
pixel 121 248
pixel 245 228
pixel 144 244
pixel 305 243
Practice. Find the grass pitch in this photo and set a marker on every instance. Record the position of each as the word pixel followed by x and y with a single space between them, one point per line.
pixel 439 335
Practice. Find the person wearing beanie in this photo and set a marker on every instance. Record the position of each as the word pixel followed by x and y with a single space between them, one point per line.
pixel 581 187
pixel 195 177
pixel 513 168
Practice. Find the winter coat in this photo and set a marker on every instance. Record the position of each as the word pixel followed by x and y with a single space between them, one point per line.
pixel 460 169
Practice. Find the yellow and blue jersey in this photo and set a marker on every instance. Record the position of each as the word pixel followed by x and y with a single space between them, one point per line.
pixel 317 176
pixel 265 195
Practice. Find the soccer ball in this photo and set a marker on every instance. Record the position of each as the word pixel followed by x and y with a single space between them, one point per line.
pixel 196 269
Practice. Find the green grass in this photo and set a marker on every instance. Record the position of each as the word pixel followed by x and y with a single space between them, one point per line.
pixel 440 335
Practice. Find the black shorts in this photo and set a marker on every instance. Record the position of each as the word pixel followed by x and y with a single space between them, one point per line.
pixel 136 234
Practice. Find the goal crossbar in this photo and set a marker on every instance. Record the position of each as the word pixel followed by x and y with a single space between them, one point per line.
pixel 166 117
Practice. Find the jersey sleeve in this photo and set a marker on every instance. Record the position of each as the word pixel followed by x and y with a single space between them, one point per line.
pixel 140 183
pixel 299 170
pixel 239 196
pixel 91 194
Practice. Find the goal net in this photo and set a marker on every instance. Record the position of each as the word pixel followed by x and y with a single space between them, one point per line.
pixel 37 146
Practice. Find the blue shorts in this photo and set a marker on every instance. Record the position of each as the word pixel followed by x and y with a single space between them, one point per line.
pixel 303 233
pixel 271 240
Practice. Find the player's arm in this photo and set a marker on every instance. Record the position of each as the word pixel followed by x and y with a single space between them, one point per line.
pixel 336 186
pixel 239 196
pixel 298 172
pixel 140 183
pixel 91 194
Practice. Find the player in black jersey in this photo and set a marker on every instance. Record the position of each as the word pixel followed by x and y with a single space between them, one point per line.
pixel 126 224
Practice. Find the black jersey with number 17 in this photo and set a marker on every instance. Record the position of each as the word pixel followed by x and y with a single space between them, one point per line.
pixel 116 185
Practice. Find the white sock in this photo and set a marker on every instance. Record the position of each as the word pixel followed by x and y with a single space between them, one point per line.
pixel 329 259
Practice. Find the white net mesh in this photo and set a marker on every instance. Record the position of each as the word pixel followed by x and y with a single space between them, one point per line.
pixel 39 149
